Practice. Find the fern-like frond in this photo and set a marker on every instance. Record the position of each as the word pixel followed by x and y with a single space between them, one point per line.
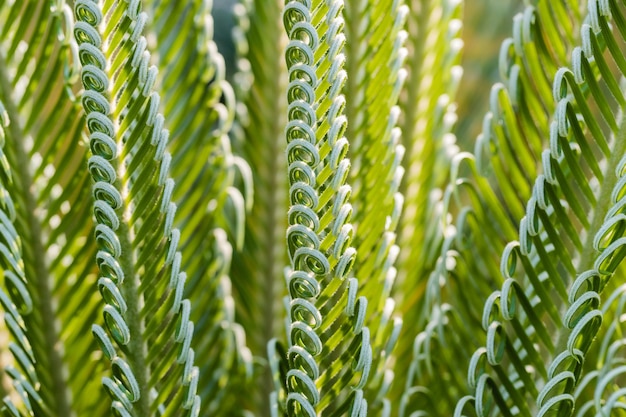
pixel 603 249
pixel 147 320
pixel 570 373
pixel 326 317
pixel 375 55
pixel 258 282
pixel 46 247
pixel 434 47
pixel 553 264
pixel 488 206
pixel 427 119
pixel 200 105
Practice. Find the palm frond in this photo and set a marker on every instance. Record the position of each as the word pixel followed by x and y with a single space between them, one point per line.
pixel 326 318
pixel 146 315
pixel 603 249
pixel 47 250
pixel 200 104
pixel 506 161
pixel 428 117
pixel 521 322
pixel 374 58
pixel 258 273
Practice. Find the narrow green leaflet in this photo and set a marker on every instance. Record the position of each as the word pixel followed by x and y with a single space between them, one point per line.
pixel 147 330
pixel 47 295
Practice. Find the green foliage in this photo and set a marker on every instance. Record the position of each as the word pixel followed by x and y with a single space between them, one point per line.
pixel 299 232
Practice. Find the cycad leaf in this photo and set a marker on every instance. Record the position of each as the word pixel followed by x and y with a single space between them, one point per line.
pixel 259 138
pixel 200 104
pixel 374 60
pixel 48 278
pixel 326 317
pixel 520 321
pixel 140 265
pixel 428 117
pixel 603 249
pixel 506 162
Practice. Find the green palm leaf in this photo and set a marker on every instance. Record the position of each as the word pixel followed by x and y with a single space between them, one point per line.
pixel 326 318
pixel 47 251
pixel 602 251
pixel 374 60
pixel 145 313
pixel 508 152
pixel 200 104
pixel 517 320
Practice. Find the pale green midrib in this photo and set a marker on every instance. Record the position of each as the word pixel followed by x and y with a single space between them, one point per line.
pixel 353 22
pixel 415 80
pixel 275 208
pixel 42 279
pixel 588 253
pixel 137 350
pixel 408 135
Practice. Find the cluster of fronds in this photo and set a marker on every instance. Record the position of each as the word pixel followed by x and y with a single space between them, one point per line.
pixel 308 238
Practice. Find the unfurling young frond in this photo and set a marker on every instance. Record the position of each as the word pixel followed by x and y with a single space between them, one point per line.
pixel 536 273
pixel 142 284
pixel 325 314
pixel 375 57
pixel 427 118
pixel 47 249
pixel 200 105
pixel 305 230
